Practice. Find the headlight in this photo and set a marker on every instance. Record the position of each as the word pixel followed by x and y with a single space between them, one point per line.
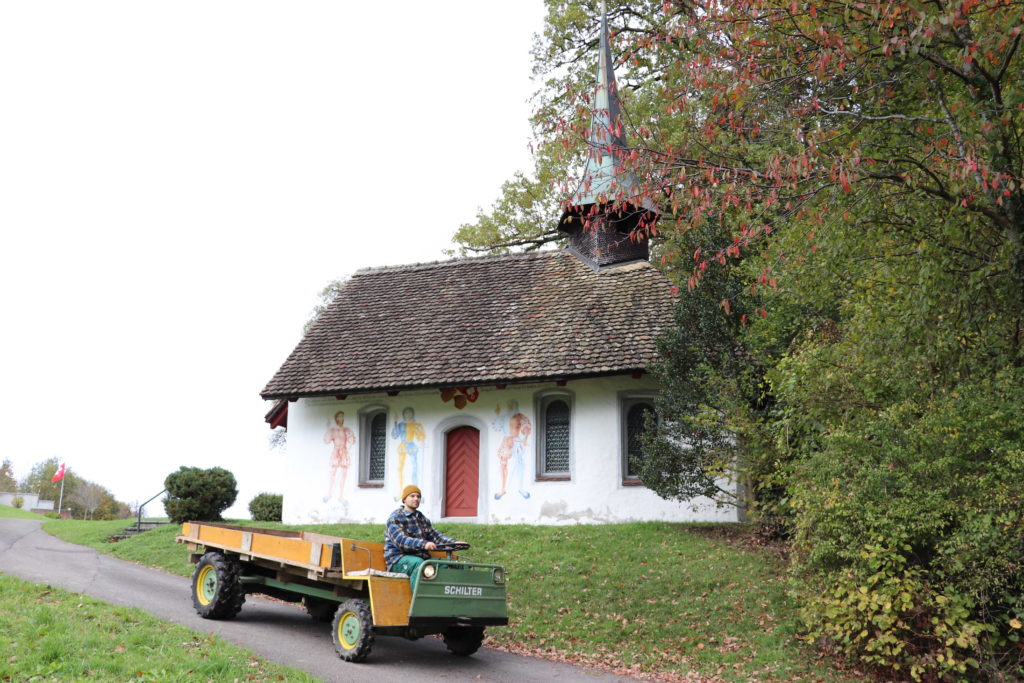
pixel 499 575
pixel 429 571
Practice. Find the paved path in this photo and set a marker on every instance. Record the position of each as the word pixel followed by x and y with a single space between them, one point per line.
pixel 279 632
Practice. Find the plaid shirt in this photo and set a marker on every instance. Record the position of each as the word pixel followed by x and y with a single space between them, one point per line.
pixel 406 534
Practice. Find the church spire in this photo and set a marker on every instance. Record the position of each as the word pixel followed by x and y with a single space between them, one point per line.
pixel 606 122
pixel 606 217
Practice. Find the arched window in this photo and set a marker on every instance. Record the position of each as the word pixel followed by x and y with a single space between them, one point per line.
pixel 373 447
pixel 554 442
pixel 633 412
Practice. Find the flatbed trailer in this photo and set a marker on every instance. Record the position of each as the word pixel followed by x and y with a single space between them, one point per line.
pixel 346 582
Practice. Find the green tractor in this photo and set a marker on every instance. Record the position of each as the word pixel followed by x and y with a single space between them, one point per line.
pixel 345 582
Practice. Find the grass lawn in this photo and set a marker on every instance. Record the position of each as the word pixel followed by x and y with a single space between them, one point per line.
pixel 154 548
pixel 8 511
pixel 659 599
pixel 47 634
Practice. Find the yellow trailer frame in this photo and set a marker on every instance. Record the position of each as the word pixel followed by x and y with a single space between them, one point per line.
pixel 344 567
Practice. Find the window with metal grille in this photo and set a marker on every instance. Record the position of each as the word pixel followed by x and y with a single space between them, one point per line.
pixel 636 413
pixel 373 441
pixel 554 442
pixel 378 444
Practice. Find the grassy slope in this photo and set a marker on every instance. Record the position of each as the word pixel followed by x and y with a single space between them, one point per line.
pixel 47 634
pixel 8 511
pixel 662 599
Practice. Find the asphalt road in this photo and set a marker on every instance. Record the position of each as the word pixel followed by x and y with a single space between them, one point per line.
pixel 278 632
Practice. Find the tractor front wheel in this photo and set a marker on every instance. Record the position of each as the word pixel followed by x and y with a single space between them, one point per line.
pixel 464 640
pixel 216 591
pixel 352 630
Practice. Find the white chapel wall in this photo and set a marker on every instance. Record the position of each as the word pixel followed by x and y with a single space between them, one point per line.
pixel 594 493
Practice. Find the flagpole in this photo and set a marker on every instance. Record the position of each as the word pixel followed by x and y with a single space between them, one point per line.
pixel 60 505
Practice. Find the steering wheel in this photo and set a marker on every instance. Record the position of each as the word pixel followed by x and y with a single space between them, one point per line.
pixel 451 547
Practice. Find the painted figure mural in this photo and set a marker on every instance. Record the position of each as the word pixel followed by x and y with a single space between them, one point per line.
pixel 341 438
pixel 411 436
pixel 516 429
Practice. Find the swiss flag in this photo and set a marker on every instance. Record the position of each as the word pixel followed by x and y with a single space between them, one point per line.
pixel 59 474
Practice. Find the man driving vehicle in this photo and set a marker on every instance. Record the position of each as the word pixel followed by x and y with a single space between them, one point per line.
pixel 409 537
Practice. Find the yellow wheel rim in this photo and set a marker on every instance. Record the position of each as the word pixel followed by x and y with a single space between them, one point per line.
pixel 206 585
pixel 349 630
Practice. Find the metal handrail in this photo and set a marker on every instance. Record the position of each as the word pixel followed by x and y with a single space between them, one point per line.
pixel 138 522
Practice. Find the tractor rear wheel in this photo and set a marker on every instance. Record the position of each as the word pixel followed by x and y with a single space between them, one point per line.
pixel 216 591
pixel 464 640
pixel 352 630
pixel 319 609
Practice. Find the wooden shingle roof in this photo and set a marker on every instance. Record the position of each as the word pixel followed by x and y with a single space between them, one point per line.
pixel 474 321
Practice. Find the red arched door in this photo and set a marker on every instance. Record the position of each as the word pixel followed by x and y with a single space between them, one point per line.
pixel 461 472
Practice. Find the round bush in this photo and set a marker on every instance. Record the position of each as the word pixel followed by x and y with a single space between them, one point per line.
pixel 197 494
pixel 266 507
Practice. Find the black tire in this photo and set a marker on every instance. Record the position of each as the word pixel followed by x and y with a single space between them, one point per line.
pixel 352 630
pixel 320 610
pixel 216 591
pixel 464 640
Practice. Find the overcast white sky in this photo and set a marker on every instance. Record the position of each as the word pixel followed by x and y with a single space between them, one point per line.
pixel 178 180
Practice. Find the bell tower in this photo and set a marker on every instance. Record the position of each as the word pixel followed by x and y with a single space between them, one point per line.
pixel 606 218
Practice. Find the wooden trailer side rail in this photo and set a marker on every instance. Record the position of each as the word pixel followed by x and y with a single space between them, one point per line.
pixel 318 553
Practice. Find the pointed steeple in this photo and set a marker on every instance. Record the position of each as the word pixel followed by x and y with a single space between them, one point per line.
pixel 606 123
pixel 600 234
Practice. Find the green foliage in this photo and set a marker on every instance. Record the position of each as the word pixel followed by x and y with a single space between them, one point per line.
pixel 39 481
pixel 18 502
pixel 82 498
pixel 266 507
pixel 910 530
pixel 195 494
pixel 7 482
pixel 710 390
pixel 891 616
pixel 524 217
pixel 48 634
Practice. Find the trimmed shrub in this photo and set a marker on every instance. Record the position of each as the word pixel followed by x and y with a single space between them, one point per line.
pixel 197 494
pixel 266 507
pixel 18 502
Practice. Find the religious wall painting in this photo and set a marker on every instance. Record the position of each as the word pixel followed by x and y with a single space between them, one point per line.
pixel 515 428
pixel 411 436
pixel 341 439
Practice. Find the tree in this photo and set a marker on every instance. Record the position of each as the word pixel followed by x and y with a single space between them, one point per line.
pixel 324 300
pixel 845 179
pixel 83 499
pixel 87 497
pixel 197 494
pixel 39 480
pixel 7 480
pixel 266 507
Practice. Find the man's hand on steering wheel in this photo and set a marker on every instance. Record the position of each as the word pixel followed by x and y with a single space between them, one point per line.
pixel 454 545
